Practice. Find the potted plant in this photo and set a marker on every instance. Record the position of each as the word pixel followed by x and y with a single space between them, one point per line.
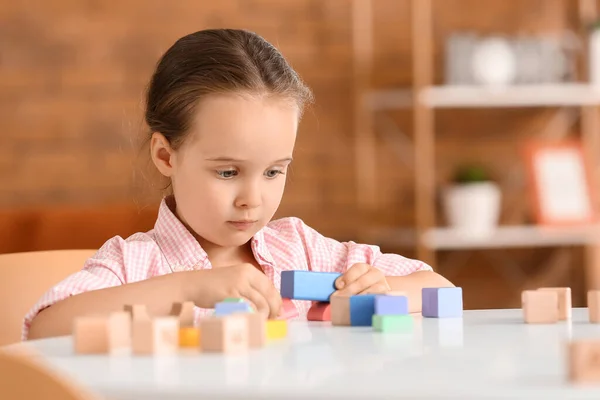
pixel 472 201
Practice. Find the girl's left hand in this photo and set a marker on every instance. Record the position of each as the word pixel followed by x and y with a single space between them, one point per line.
pixel 362 279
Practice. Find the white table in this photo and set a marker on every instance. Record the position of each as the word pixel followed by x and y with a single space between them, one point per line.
pixel 487 354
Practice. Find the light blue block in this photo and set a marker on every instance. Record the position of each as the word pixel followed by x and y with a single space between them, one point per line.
pixel 308 285
pixel 442 302
pixel 226 308
pixel 362 309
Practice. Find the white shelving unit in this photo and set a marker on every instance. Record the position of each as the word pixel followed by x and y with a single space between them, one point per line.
pixel 557 95
pixel 423 98
pixel 517 236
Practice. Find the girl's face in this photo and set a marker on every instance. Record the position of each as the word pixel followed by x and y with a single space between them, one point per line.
pixel 229 175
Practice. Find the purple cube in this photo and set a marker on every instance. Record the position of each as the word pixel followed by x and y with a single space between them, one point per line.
pixel 391 305
pixel 442 302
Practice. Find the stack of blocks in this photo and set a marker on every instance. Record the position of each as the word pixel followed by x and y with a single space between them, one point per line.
pixel 313 286
pixel 391 313
pixel 385 312
pixel 133 330
pixel 234 328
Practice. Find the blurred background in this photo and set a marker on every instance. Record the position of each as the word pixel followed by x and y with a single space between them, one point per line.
pixel 415 143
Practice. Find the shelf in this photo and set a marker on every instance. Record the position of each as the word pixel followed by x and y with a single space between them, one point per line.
pixel 512 236
pixel 567 94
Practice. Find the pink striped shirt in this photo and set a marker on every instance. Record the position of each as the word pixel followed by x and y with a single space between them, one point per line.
pixel 284 244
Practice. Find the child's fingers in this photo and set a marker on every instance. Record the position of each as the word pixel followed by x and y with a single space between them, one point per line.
pixel 364 282
pixel 257 300
pixel 272 297
pixel 351 275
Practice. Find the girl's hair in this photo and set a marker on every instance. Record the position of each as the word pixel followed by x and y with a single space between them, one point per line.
pixel 215 61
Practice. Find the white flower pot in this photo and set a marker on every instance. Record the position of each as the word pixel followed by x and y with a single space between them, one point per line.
pixel 474 208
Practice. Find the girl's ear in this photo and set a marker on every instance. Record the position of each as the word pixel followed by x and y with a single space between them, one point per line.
pixel 162 154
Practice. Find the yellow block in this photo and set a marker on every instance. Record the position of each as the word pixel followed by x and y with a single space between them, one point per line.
pixel 276 328
pixel 189 337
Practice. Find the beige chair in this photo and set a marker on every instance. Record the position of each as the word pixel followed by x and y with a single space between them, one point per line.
pixel 25 277
pixel 24 376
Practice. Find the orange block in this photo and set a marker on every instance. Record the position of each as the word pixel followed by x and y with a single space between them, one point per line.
pixel 226 334
pixel 584 361
pixel 319 311
pixel 540 306
pixel 102 334
pixel 189 337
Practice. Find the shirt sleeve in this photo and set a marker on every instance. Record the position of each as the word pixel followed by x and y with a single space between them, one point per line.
pixel 113 264
pixel 329 255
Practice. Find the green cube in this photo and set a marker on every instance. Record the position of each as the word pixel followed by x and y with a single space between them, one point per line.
pixel 393 323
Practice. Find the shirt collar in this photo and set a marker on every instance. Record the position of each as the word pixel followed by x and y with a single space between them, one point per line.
pixel 182 250
pixel 179 246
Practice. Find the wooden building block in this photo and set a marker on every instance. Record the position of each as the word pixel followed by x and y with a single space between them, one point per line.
pixel 387 304
pixel 352 310
pixel 444 302
pixel 225 334
pixel 393 323
pixel 102 334
pixel 227 307
pixel 308 285
pixel 189 337
pixel 276 328
pixel 184 312
pixel 289 309
pixel 319 311
pixel 584 361
pixel 564 302
pixel 137 311
pixel 155 336
pixel 257 330
pixel 593 303
pixel 540 306
pixel 340 310
pixel 362 309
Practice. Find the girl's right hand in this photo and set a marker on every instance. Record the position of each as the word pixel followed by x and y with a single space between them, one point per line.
pixel 210 286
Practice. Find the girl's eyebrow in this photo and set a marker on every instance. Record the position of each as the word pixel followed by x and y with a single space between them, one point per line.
pixel 229 159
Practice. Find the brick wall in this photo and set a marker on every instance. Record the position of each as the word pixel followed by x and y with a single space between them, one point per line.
pixel 72 75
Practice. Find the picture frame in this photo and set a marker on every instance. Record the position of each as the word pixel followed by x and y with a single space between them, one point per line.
pixel 561 186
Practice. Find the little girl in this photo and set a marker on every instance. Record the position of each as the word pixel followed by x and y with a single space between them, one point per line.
pixel 223 107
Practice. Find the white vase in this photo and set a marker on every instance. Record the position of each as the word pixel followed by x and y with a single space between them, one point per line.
pixel 594 58
pixel 473 209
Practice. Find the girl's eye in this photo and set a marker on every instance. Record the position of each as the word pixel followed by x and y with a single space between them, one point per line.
pixel 272 173
pixel 228 173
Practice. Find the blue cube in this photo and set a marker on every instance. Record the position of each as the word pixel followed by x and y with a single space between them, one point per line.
pixel 442 302
pixel 308 285
pixel 227 307
pixel 362 309
pixel 391 305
